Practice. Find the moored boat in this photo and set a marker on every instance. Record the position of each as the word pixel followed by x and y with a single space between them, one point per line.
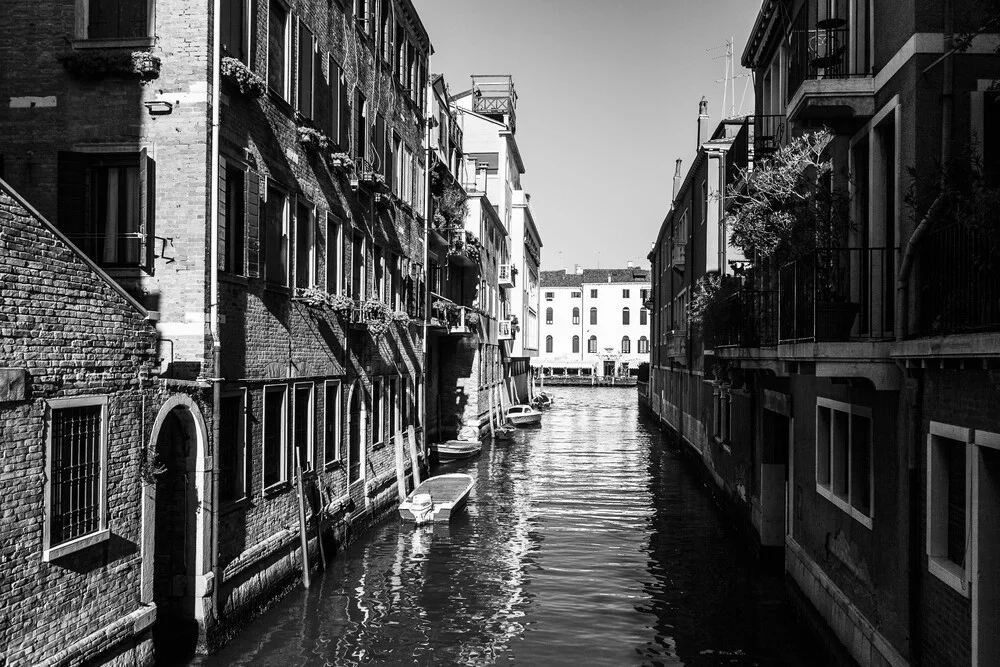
pixel 523 415
pixel 450 450
pixel 504 432
pixel 437 499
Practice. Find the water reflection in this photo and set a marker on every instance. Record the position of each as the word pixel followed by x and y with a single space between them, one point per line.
pixel 586 541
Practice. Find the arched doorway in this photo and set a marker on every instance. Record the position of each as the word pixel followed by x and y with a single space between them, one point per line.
pixel 356 447
pixel 175 538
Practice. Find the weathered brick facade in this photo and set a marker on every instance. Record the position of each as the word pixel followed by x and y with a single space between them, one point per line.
pixel 73 334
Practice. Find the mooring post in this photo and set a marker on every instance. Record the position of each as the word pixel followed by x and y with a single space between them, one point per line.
pixel 303 536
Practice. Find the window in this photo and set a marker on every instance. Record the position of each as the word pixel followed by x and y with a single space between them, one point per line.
pixel 234 221
pixel 626 317
pixel 303 424
pixel 275 439
pixel 377 411
pixel 593 315
pixel 360 142
pixel 118 19
pixel 232 446
pixel 548 316
pixel 644 294
pixel 843 457
pixel 334 246
pixel 722 413
pixel 575 295
pixel 331 425
pixel 576 316
pixel 305 245
pixel 393 406
pixel 643 347
pixel 305 71
pixel 340 104
pixel 404 402
pixel 549 296
pixel 625 293
pixel 76 475
pixel 626 345
pixel 576 345
pixel 593 294
pixel 548 344
pixel 379 268
pixel 643 317
pixel 276 237
pixel 592 345
pixel 105 206
pixel 949 515
pixel 234 29
pixel 278 62
pixel 358 280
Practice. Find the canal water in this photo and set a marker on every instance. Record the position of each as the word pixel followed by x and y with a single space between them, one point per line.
pixel 587 541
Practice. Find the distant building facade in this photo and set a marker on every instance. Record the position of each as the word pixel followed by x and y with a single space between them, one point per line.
pixel 594 321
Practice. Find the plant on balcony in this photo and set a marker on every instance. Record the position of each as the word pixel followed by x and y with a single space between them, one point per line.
pixel 787 206
pixel 377 316
pixel 314 139
pixel 473 247
pixel 316 298
pixel 451 206
pixel 341 160
pixel 98 63
pixel 514 325
pixel 711 311
pixel 447 311
pixel 242 77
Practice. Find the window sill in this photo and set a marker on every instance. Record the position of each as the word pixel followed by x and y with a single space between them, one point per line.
pixel 125 271
pixel 334 465
pixel 78 544
pixel 828 493
pixel 274 288
pixel 377 446
pixel 234 278
pixel 229 506
pixel 277 489
pixel 950 573
pixel 114 43
pixel 279 101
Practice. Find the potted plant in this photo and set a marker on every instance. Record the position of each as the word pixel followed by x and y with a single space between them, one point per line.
pixel 99 63
pixel 313 139
pixel 242 78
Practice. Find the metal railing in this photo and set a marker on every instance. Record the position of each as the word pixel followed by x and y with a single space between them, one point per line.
pixel 959 285
pixel 830 39
pixel 770 132
pixel 751 320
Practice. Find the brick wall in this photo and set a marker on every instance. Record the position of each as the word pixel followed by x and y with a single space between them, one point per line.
pixel 74 335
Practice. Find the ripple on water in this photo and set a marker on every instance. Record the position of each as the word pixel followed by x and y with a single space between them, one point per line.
pixel 588 541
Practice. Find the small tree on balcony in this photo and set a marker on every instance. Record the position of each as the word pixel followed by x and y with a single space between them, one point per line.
pixel 787 205
pixel 451 206
pixel 711 311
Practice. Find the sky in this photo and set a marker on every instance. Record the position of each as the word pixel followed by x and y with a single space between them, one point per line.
pixel 608 94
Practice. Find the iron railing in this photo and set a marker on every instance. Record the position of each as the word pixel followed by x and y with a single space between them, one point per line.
pixel 750 320
pixel 770 132
pixel 830 39
pixel 837 294
pixel 739 154
pixel 959 286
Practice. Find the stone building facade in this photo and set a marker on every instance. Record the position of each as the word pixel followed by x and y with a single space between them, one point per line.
pixel 256 181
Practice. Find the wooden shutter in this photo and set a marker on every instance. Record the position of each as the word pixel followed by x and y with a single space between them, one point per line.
pixel 345 113
pixel 221 226
pixel 379 140
pixel 335 103
pixel 147 207
pixel 71 193
pixel 253 224
pixel 305 70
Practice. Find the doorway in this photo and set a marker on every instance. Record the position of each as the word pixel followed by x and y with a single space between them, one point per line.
pixel 175 634
pixel 609 368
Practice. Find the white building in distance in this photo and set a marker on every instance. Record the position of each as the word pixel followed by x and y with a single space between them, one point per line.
pixel 593 321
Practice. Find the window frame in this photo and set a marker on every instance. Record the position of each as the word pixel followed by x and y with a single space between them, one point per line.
pixel 312 252
pixel 626 345
pixel 244 32
pixel 955 575
pixel 286 224
pixel 286 68
pixel 548 344
pixel 51 552
pixel 826 489
pixel 310 447
pixel 576 315
pixel 335 248
pixel 305 107
pixel 283 464
pixel 337 451
pixel 626 316
pixel 229 254
pixel 548 315
pixel 593 316
pixel 593 294
pixel 243 488
pixel 576 344
pixel 378 411
pixel 84 40
pixel 592 348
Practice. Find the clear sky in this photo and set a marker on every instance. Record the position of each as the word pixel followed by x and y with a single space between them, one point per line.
pixel 608 94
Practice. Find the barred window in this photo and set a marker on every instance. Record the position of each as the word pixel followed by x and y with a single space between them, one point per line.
pixel 77 476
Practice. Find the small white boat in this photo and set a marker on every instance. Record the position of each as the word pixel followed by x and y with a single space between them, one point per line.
pixel 523 415
pixel 542 400
pixel 504 432
pixel 450 450
pixel 437 499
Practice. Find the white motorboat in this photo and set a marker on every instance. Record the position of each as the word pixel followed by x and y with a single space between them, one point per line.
pixel 523 415
pixel 450 450
pixel 437 499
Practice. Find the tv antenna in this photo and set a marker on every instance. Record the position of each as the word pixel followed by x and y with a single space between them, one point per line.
pixel 729 79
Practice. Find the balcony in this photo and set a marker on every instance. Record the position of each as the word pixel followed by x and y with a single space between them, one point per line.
pixel 769 134
pixel 452 319
pixel 505 275
pixel 959 285
pixel 505 329
pixel 678 253
pixel 367 175
pixel 494 97
pixel 750 320
pixel 830 67
pixel 676 344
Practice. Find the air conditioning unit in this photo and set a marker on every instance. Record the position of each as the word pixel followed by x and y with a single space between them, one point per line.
pixel 505 276
pixel 505 329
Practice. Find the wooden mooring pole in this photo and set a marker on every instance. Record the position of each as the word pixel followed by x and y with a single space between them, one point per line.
pixel 303 535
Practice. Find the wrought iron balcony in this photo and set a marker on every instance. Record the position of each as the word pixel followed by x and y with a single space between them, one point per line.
pixel 750 319
pixel 959 285
pixel 452 318
pixel 769 134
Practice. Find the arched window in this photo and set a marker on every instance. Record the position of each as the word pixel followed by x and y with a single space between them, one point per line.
pixel 593 316
pixel 576 345
pixel 548 316
pixel 548 344
pixel 626 345
pixel 643 345
pixel 643 315
pixel 592 345
pixel 625 316
pixel 576 316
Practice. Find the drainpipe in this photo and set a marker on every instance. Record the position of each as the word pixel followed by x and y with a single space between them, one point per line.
pixel 427 221
pixel 213 272
pixel 947 102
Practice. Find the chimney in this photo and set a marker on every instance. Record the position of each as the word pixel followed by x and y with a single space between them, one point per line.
pixel 631 264
pixel 579 270
pixel 677 179
pixel 702 122
pixel 567 270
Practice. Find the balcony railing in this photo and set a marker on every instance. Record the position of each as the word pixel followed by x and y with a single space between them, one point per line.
pixel 750 320
pixel 739 154
pixel 678 253
pixel 769 134
pixel 505 275
pixel 457 320
pixel 959 288
pixel 830 39
pixel 494 95
pixel 837 294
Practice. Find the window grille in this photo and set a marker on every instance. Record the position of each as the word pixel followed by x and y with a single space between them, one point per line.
pixel 76 472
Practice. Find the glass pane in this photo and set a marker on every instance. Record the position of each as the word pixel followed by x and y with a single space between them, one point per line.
pixel 861 464
pixel 823 446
